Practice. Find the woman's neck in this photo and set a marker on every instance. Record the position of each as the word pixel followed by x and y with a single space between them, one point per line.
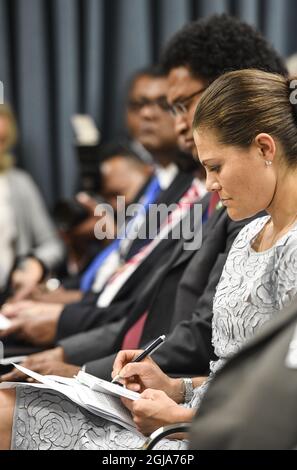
pixel 283 209
pixel 283 212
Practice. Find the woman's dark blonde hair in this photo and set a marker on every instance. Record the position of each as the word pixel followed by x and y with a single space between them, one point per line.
pixel 240 105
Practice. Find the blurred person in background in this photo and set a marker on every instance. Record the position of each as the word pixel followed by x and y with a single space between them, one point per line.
pixel 173 184
pixel 148 131
pixel 123 174
pixel 29 246
pixel 152 138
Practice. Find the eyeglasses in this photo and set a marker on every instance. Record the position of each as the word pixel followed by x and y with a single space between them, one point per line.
pixel 137 105
pixel 181 107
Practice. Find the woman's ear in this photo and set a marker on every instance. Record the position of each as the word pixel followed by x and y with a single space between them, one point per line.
pixel 266 146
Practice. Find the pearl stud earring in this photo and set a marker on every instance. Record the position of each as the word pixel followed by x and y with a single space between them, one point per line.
pixel 268 162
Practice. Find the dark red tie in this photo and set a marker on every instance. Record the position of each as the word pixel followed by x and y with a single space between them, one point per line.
pixel 133 335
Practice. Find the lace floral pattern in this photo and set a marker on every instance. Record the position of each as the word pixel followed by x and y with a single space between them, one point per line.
pixel 46 420
pixel 253 287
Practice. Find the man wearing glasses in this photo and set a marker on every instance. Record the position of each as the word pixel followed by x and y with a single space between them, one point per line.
pixel 147 119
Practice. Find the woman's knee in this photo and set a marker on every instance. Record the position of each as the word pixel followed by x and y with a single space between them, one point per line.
pixel 7 402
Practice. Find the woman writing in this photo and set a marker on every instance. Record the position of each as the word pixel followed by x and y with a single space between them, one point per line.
pixel 245 130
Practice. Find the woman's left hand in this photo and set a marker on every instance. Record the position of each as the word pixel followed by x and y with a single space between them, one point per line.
pixel 155 409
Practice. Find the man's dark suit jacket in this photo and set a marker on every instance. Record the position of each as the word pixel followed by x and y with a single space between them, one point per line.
pixel 84 315
pixel 252 402
pixel 122 315
pixel 188 348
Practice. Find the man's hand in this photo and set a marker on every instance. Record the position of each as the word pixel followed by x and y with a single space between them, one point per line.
pixel 25 279
pixel 36 329
pixel 28 308
pixel 42 363
pixel 139 376
pixel 12 310
pixel 155 409
pixel 60 295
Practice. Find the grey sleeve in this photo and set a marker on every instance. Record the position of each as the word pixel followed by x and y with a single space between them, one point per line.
pixel 37 228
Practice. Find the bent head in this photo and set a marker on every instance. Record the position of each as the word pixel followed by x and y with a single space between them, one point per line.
pixel 245 131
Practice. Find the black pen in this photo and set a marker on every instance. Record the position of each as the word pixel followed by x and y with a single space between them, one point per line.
pixel 150 349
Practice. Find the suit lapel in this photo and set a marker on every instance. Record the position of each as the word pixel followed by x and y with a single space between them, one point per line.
pixel 195 226
pixel 178 187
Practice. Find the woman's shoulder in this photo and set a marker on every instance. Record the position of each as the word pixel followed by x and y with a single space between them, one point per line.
pixel 20 177
pixel 287 244
pixel 18 173
pixel 250 230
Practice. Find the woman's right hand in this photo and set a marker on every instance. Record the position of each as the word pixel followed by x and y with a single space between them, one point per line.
pixel 138 376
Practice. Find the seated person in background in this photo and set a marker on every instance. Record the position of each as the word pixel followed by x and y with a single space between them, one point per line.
pixel 174 185
pixel 151 133
pixel 151 126
pixel 29 244
pixel 151 130
pixel 126 175
pixel 245 130
pixel 140 137
pixel 179 300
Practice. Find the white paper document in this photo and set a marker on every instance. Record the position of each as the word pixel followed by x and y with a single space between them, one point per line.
pixel 4 322
pixel 104 403
pixel 12 360
pixel 101 385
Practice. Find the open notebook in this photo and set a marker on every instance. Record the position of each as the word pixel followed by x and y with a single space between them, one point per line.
pixel 96 395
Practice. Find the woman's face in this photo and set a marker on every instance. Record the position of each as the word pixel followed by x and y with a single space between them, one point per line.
pixel 246 185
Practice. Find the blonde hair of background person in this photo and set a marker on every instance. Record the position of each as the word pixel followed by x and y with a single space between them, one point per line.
pixel 6 158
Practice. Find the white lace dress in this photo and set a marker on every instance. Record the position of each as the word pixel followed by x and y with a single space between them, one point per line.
pixel 253 287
